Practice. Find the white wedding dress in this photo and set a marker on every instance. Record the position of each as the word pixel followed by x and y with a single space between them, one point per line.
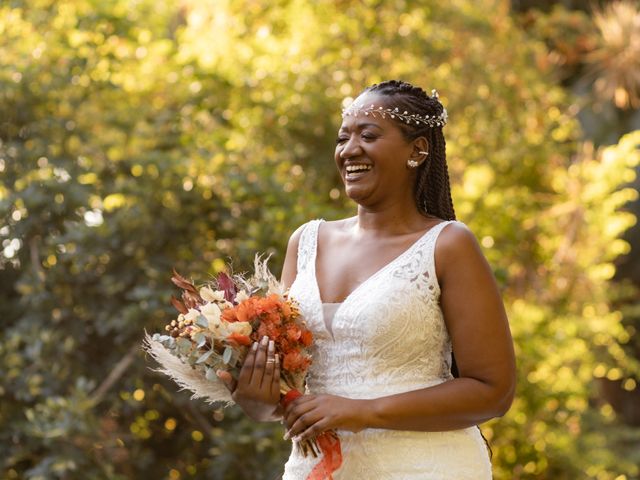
pixel 387 337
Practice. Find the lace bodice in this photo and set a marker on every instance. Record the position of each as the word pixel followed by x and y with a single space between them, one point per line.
pixel 387 337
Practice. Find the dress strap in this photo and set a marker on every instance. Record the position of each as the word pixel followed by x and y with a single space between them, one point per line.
pixel 430 248
pixel 307 246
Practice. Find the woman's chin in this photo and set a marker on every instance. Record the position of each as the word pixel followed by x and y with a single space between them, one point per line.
pixel 361 197
pixel 355 192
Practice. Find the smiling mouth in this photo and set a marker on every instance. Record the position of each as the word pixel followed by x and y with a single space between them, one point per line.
pixel 356 171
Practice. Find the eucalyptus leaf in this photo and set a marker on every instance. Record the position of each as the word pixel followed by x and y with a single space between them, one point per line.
pixel 202 321
pixel 226 356
pixel 200 339
pixel 203 358
pixel 184 345
pixel 211 374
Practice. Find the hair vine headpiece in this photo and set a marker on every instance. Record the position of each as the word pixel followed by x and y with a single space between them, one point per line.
pixel 395 113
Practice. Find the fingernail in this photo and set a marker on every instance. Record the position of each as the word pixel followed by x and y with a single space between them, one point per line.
pixel 265 340
pixel 272 346
pixel 254 347
pixel 286 435
pixel 297 438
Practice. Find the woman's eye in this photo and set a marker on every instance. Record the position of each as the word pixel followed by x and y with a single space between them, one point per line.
pixel 341 139
pixel 368 136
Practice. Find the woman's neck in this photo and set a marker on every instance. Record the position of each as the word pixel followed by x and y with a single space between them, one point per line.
pixel 395 219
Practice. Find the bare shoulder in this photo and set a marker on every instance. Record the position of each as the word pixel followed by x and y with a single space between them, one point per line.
pixel 456 236
pixel 456 246
pixel 294 240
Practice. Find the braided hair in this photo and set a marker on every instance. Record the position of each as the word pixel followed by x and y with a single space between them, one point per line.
pixel 432 191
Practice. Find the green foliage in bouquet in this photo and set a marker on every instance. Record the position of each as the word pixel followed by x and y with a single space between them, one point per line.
pixel 138 136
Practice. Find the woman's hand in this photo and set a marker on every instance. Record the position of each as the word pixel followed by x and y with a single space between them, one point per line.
pixel 257 390
pixel 310 415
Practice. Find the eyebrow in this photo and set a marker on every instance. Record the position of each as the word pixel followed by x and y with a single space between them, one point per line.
pixel 362 125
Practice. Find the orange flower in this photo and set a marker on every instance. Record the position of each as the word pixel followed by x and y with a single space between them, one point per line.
pixel 273 317
pixel 247 310
pixel 270 304
pixel 238 339
pixel 286 309
pixel 229 315
pixel 262 330
pixel 273 331
pixel 306 338
pixel 294 361
pixel 293 332
pixel 283 346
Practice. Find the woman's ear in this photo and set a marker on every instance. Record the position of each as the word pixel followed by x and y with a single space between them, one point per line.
pixel 420 151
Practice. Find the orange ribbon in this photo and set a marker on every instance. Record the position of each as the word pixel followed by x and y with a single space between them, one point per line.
pixel 329 445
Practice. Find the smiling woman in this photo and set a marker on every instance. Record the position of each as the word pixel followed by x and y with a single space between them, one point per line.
pixel 389 295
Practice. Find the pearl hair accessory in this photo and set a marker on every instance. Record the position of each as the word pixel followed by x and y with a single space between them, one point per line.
pixel 406 117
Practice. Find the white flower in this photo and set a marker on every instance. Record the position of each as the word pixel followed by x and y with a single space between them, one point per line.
pixel 192 315
pixel 211 311
pixel 241 296
pixel 209 295
pixel 241 328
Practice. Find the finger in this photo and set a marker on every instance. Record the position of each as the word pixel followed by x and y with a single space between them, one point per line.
pixel 269 366
pixel 293 415
pixel 247 367
pixel 314 430
pixel 303 423
pixel 227 379
pixel 294 410
pixel 275 380
pixel 260 361
pixel 301 400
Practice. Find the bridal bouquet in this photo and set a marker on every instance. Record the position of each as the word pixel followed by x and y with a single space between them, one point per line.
pixel 217 323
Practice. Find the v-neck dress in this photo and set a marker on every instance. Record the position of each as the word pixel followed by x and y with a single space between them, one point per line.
pixel 387 337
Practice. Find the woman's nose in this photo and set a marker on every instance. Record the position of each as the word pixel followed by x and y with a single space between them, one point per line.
pixel 351 148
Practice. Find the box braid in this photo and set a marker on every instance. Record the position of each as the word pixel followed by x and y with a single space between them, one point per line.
pixel 432 190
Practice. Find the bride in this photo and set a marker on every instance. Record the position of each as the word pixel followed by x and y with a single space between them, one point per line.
pixel 389 294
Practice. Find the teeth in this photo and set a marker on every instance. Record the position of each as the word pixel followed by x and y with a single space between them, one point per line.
pixel 358 168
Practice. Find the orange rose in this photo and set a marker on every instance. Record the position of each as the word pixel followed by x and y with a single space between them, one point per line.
pixel 238 339
pixel 294 361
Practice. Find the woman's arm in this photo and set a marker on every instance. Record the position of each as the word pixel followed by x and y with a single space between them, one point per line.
pixel 483 347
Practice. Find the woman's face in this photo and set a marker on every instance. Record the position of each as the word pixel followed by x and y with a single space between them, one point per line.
pixel 371 155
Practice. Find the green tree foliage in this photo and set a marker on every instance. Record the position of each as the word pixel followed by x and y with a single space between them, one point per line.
pixel 138 136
